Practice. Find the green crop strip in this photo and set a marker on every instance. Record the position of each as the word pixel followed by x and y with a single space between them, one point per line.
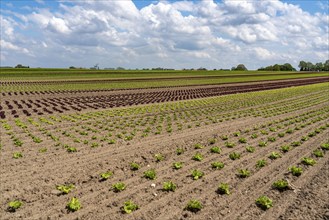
pixel 131 84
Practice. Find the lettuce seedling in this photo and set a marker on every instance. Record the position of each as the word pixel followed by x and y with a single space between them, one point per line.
pixel 197 157
pixel 285 148
pixel 243 173
pixel 150 174
pixel 281 135
pixel 271 139
pixel 243 140
pixel 254 135
pixel 73 205
pixel 179 151
pixel 295 143
pixel 274 155
pixel 134 166
pixel 194 206
pixel 296 171
pixel 118 187
pixel 65 189
pixel 250 149
pixel 236 134
pixel 264 202
pixel 229 144
pixel 304 138
pixel 71 149
pixel 224 137
pixel 234 156
pixel 281 185
pixel 318 153
pixel 223 188
pixel 212 141
pixel 308 161
pixel 177 165
pixel 42 150
pixel 325 146
pixel 106 175
pixel 169 186
pixel 198 146
pixel 262 144
pixel 158 157
pixel 129 207
pixel 196 174
pixel 14 205
pixel 261 163
pixel 17 155
pixel 216 150
pixel 217 165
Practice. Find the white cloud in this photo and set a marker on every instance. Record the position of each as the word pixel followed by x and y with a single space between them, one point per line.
pixel 58 25
pixel 7 27
pixel 5 45
pixel 189 33
pixel 264 54
pixel 40 2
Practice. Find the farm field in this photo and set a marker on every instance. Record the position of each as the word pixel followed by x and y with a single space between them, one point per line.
pixel 221 146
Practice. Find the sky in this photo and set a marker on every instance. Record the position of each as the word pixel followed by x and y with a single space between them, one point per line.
pixel 179 34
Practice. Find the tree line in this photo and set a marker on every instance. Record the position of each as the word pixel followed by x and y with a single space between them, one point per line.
pixel 278 67
pixel 303 65
pixel 308 66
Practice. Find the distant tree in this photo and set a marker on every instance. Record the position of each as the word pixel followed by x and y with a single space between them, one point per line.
pixel 310 66
pixel 302 65
pixel 278 67
pixel 326 65
pixel 319 66
pixel 287 67
pixel 21 66
pixel 120 68
pixel 240 67
pixel 72 67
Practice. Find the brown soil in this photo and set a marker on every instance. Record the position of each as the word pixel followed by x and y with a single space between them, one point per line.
pixel 33 178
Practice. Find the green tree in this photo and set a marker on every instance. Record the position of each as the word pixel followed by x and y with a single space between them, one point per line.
pixel 310 66
pixel 326 65
pixel 319 66
pixel 302 65
pixel 288 67
pixel 240 67
pixel 276 67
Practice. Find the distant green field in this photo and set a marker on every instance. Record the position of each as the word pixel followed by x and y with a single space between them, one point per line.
pixel 85 74
pixel 134 79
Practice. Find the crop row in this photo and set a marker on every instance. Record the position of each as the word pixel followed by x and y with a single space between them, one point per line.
pixel 29 107
pixel 199 154
pixel 149 120
pixel 126 84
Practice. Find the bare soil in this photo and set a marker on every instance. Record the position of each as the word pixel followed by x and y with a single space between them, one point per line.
pixel 33 178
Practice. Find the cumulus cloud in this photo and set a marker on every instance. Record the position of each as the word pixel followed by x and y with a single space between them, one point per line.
pixel 7 27
pixel 164 33
pixel 9 46
pixel 264 54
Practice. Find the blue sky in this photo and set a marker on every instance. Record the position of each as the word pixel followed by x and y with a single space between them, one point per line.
pixel 172 34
